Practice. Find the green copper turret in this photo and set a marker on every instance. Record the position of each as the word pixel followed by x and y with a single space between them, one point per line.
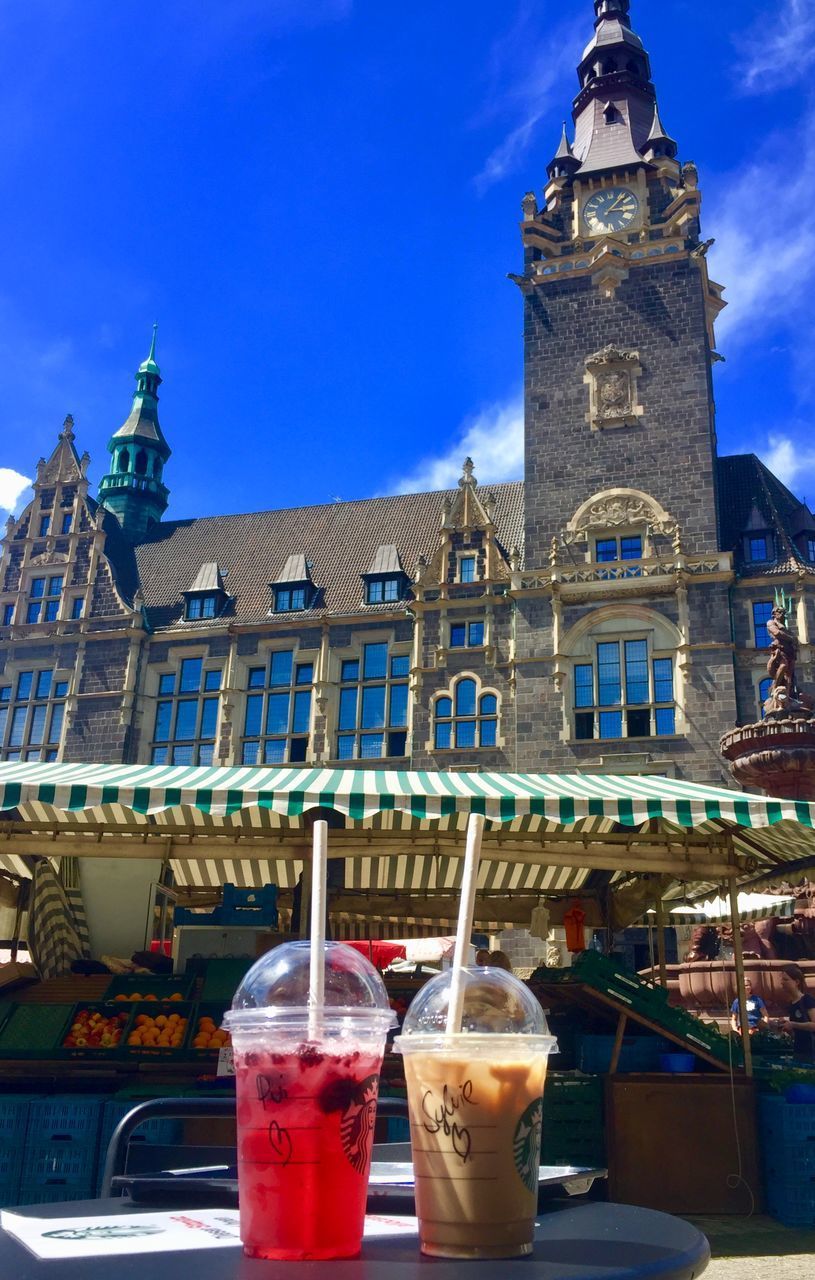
pixel 133 488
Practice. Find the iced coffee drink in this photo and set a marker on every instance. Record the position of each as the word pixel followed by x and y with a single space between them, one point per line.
pixel 475 1116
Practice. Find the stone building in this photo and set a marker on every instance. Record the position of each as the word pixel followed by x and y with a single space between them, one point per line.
pixel 607 613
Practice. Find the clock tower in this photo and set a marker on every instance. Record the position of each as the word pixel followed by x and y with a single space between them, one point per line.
pixel 619 310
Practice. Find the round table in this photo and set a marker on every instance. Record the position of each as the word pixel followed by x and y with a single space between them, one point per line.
pixel 589 1242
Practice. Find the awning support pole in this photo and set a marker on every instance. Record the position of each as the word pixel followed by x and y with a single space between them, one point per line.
pixel 661 947
pixel 738 956
pixel 618 1044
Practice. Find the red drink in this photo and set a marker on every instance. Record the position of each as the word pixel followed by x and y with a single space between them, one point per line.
pixel 306 1115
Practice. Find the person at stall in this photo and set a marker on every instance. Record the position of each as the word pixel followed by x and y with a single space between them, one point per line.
pixel 482 956
pixel 756 1011
pixel 801 1013
pixel 500 960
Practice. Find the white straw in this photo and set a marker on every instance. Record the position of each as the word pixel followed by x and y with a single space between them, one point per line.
pixel 319 889
pixel 466 911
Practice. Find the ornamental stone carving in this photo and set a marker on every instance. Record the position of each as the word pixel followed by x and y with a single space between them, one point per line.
pixel 611 376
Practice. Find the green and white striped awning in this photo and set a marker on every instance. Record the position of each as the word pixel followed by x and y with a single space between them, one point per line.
pixel 364 795
pixel 401 832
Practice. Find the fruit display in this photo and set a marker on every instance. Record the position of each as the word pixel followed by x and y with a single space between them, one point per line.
pixel 93 1029
pixel 209 1036
pixel 164 1031
pixel 138 998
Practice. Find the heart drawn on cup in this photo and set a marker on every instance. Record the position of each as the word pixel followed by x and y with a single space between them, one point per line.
pixel 280 1142
pixel 462 1142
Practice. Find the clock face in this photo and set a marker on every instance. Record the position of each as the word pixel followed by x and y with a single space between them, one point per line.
pixel 611 210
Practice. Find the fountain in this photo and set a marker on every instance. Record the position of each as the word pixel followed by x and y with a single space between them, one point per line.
pixel 777 755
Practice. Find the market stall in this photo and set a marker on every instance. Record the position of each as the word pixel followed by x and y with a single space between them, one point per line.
pixel 398 840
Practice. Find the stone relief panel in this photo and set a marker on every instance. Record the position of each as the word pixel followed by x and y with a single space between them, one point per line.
pixel 612 376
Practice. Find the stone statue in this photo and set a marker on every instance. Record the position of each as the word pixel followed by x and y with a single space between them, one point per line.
pixel 784 694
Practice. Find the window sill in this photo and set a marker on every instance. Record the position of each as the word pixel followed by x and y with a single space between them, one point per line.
pixel 452 751
pixel 608 742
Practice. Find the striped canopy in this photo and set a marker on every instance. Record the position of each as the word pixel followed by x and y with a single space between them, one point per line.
pixel 400 833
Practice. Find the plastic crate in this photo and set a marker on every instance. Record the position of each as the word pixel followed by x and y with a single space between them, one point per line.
pixel 33 1030
pixel 54 1190
pixel 203 1010
pixel 239 907
pixel 96 1052
pixel 222 979
pixel 11 1165
pixel 638 1053
pixel 572 1097
pixel 66 1119
pixel 782 1162
pixel 155 1009
pixel 791 1200
pixel 57 1160
pixel 13 1118
pixel 785 1123
pixel 158 1131
pixel 147 984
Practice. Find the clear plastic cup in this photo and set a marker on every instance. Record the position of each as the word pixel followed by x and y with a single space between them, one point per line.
pixel 306 1101
pixel 476 1110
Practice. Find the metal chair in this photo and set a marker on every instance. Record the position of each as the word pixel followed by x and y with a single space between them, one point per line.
pixel 188 1109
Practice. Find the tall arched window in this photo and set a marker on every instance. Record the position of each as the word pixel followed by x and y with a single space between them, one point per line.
pixel 624 676
pixel 124 460
pixel 465 718
pixel 141 463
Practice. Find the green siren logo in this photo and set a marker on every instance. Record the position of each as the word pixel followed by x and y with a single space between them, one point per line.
pixel 527 1144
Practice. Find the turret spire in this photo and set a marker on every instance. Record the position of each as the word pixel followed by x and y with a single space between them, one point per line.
pixel 565 161
pixel 612 9
pixel 133 488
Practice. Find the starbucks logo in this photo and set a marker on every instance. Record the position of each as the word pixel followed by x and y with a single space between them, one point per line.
pixel 357 1123
pixel 527 1144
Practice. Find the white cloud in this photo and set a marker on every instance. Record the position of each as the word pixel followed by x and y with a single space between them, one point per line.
pixel 780 48
pixel 768 278
pixel 793 464
pixel 12 487
pixel 494 439
pixel 528 67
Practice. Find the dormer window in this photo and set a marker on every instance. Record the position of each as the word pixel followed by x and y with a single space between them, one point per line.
pixel 206 596
pixel 202 607
pixel 289 599
pixel 383 590
pixel 759 548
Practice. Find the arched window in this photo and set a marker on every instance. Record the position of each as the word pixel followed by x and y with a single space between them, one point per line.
pixel 124 460
pixel 465 718
pixel 763 694
pixel 157 467
pixel 609 67
pixel 624 676
pixel 141 463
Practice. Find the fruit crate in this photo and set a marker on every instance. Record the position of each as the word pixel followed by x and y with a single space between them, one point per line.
pixel 569 1096
pixel 158 1009
pixel 148 984
pixel 223 977
pixel 34 1030
pixel 100 1052
pixel 66 1119
pixel 215 1011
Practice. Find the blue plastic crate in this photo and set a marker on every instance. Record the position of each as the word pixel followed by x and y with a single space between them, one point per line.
pixel 398 1129
pixel 239 906
pixel 11 1163
pixel 66 1119
pixel 791 1200
pixel 158 1131
pixel 638 1053
pixel 54 1190
pixel 57 1161
pixel 13 1117
pixel 797 1159
pixel 785 1123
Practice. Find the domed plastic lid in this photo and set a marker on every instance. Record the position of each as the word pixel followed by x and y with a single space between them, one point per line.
pixel 275 990
pixel 495 1003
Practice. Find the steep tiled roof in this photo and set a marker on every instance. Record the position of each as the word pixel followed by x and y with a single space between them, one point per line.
pixel 340 541
pixel 746 486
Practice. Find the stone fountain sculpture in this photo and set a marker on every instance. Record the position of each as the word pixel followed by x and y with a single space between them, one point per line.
pixel 777 755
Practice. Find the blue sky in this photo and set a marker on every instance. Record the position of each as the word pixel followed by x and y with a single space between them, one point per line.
pixel 318 201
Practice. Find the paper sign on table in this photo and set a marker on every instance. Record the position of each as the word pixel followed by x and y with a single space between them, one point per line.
pixel 226 1061
pixel 116 1234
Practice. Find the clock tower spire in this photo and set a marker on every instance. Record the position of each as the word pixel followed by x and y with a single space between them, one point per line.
pixel 620 309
